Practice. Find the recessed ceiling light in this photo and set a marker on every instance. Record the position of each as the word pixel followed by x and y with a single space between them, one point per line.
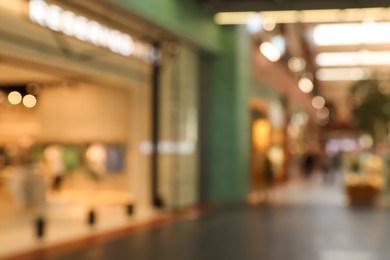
pixel 296 64
pixel 366 33
pixel 29 101
pixel 306 16
pixel 360 58
pixel 318 102
pixel 270 51
pixel 305 85
pixel 14 98
pixel 342 74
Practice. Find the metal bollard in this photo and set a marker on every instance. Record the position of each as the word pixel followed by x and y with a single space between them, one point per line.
pixel 40 226
pixel 91 217
pixel 130 209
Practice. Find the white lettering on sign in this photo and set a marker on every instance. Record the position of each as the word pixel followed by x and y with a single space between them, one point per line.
pixel 57 19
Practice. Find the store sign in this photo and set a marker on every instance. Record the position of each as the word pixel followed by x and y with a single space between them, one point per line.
pixel 57 19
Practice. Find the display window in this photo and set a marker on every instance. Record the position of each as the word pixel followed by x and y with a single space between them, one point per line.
pixel 74 142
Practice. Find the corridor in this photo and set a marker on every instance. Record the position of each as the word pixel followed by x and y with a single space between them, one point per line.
pixel 300 225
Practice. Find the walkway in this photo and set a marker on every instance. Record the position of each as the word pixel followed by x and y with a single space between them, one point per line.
pixel 254 232
pixel 305 222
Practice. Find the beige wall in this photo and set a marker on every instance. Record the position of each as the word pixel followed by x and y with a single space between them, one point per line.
pixel 84 113
pixel 80 114
pixel 16 122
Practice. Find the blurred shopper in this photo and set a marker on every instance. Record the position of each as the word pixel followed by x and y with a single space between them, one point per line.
pixel 27 182
pixel 268 178
pixel 53 156
pixel 335 167
pixel 34 188
pixel 308 164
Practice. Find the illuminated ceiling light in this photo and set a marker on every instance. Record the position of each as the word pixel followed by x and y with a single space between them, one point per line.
pixel 14 98
pixel 322 113
pixel 29 101
pixel 342 34
pixel 342 74
pixel 270 51
pixel 361 58
pixel 269 24
pixel 254 23
pixel 306 16
pixel 305 85
pixel 296 64
pixel 71 24
pixel 318 102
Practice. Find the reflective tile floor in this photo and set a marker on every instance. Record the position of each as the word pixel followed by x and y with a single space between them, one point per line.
pixel 240 232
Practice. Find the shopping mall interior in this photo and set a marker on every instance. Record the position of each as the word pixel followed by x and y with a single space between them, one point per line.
pixel 194 129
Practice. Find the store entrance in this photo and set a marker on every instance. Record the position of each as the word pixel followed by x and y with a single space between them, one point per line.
pixel 64 139
pixel 261 132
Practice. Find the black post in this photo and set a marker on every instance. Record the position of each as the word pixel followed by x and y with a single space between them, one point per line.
pixel 130 209
pixel 40 225
pixel 204 119
pixel 91 218
pixel 155 96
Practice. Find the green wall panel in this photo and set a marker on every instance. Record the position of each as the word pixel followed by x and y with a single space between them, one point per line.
pixel 229 131
pixel 182 17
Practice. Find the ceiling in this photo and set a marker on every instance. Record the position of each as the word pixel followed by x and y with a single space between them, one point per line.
pixel 13 74
pixel 297 30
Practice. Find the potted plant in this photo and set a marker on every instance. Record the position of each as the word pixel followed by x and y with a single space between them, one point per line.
pixel 370 115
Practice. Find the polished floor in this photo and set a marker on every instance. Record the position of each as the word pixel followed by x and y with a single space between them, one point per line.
pixel 300 222
pixel 254 232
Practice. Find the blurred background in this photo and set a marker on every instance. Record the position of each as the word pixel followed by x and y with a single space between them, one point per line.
pixel 118 112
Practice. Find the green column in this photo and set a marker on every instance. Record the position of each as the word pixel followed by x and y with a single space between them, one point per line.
pixel 229 121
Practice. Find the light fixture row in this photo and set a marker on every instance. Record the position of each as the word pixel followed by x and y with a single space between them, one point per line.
pixel 15 98
pixel 348 15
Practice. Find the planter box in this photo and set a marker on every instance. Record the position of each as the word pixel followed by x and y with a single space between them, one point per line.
pixel 362 195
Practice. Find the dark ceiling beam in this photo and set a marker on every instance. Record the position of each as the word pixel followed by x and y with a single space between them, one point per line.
pixel 282 2
pixel 275 5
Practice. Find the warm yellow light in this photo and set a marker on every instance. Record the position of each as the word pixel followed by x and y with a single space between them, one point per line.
pixel 29 101
pixel 270 51
pixel 318 102
pixel 341 74
pixel 276 154
pixel 269 24
pixel 365 33
pixel 306 16
pixel 305 85
pixel 360 58
pixel 296 64
pixel 14 97
pixel 261 133
pixel 15 7
pixel 233 17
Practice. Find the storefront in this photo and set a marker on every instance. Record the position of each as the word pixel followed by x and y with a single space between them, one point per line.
pixel 76 89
